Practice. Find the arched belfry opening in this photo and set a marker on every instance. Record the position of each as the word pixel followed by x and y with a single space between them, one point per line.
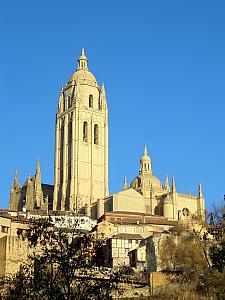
pixel 96 134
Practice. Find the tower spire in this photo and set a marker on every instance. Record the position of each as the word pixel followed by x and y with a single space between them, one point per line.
pixel 82 61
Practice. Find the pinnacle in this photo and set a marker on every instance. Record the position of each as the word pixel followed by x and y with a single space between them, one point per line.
pixel 145 150
pixel 125 183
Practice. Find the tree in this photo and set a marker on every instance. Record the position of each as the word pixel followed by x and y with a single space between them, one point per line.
pixel 214 280
pixel 184 253
pixel 61 266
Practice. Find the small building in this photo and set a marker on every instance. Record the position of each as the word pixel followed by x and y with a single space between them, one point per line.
pixel 116 222
pixel 137 256
pixel 118 247
pixel 147 254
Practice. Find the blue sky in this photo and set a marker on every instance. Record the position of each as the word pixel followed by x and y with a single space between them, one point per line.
pixel 163 65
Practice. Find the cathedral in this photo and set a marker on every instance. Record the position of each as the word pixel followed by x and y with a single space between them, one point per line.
pixel 81 165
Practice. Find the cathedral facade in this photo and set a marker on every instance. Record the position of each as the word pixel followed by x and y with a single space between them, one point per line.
pixel 81 165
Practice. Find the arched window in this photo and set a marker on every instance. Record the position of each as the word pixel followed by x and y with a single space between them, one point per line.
pixel 91 101
pixel 85 131
pixel 96 135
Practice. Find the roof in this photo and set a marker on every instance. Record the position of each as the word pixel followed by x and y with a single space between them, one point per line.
pixel 135 218
pixel 83 75
pixel 127 236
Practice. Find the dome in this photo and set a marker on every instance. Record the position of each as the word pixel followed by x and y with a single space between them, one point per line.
pixel 151 179
pixel 83 74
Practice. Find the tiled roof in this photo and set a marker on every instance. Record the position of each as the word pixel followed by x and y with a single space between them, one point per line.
pixel 135 218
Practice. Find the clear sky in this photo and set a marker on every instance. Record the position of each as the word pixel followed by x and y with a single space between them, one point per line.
pixel 163 65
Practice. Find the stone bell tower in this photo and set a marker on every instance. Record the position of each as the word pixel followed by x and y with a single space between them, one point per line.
pixel 81 142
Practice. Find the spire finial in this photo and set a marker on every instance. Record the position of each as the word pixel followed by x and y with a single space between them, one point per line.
pixel 82 51
pixel 173 185
pixel 145 150
pixel 125 183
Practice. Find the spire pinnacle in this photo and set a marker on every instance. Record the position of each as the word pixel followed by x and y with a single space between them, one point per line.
pixel 103 88
pixel 82 51
pixel 166 185
pixel 16 178
pixel 145 150
pixel 38 168
pixel 125 186
pixel 173 185
pixel 200 194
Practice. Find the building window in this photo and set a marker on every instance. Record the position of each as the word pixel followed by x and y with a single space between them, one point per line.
pixel 186 212
pixel 96 135
pixel 5 229
pixel 179 215
pixel 99 104
pixel 91 101
pixel 69 172
pixel 85 132
pixel 69 101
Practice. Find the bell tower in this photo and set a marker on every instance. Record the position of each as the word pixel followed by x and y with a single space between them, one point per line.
pixel 81 142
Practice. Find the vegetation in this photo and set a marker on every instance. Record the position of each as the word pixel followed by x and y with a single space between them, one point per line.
pixel 199 259
pixel 62 266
